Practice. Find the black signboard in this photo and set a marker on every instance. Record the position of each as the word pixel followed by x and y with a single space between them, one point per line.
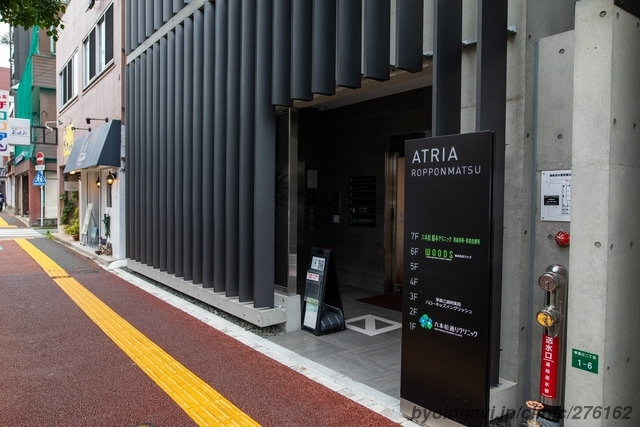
pixel 362 201
pixel 446 299
pixel 322 310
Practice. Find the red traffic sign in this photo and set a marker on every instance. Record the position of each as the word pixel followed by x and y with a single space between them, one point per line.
pixel 40 158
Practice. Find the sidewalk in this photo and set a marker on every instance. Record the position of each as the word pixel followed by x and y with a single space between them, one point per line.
pixel 86 250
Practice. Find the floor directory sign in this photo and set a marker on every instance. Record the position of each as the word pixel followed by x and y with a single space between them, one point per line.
pixel 446 299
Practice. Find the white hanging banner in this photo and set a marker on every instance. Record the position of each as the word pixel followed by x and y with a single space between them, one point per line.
pixel 19 131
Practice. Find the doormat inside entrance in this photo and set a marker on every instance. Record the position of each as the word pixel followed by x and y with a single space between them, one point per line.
pixel 391 301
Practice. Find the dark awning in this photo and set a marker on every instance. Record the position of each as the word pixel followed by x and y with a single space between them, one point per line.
pixel 98 148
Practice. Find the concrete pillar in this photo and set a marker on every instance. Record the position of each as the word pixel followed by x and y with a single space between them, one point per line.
pixel 605 257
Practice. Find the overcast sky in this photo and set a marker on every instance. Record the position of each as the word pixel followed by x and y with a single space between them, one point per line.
pixel 4 49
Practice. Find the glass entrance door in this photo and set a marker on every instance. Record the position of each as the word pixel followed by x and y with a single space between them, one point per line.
pixel 394 211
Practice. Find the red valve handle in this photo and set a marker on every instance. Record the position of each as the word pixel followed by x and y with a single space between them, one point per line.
pixel 536 406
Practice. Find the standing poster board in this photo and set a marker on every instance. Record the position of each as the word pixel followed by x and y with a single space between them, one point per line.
pixel 446 327
pixel 84 232
pixel 87 217
pixel 322 304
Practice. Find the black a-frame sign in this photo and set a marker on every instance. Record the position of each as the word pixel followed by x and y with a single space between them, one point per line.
pixel 322 310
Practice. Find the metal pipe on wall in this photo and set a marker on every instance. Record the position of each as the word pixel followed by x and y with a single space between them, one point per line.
pixel 377 43
pixel 177 5
pixel 131 12
pixel 135 161
pixel 155 159
pixel 233 155
pixel 282 53
pixel 247 135
pixel 162 157
pixel 142 9
pixel 447 67
pixel 167 10
pixel 324 47
pixel 170 170
pixel 265 150
pixel 409 16
pixel 128 155
pixel 142 142
pixel 219 147
pixel 149 18
pixel 207 142
pixel 187 148
pixel 301 48
pixel 148 154
pixel 198 141
pixel 177 160
pixel 157 14
pixel 349 67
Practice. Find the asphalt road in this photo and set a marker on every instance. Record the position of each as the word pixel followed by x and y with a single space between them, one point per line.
pixel 59 366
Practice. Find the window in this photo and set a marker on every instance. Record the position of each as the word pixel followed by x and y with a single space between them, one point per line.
pixel 68 81
pixel 98 47
pixel 109 196
pixel 52 45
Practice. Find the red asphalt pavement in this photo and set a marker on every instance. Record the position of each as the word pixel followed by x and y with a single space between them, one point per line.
pixel 57 368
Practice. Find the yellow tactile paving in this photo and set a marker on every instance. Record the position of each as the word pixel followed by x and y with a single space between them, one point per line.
pixel 5 224
pixel 200 401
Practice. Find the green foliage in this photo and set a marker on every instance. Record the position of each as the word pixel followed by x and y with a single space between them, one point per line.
pixel 107 225
pixel 34 13
pixel 67 206
pixel 73 228
pixel 49 235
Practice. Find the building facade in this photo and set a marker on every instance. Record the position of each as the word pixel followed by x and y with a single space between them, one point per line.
pixel 225 98
pixel 35 101
pixel 90 66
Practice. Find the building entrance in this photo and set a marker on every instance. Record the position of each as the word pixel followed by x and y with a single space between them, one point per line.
pixel 394 210
pixel 352 159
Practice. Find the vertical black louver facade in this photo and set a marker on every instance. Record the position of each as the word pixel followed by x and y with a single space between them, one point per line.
pixel 203 80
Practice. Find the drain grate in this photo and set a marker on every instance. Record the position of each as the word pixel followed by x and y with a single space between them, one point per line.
pixel 87 272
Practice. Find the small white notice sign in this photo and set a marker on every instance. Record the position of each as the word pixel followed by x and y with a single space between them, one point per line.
pixel 312 179
pixel 311 313
pixel 317 263
pixel 555 196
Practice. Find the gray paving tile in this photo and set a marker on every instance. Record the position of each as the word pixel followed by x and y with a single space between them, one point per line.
pixel 374 361
pixel 386 353
pixel 308 345
pixel 388 384
pixel 350 339
pixel 355 366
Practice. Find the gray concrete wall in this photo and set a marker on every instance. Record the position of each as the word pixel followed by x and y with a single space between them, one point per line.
pixel 551 146
pixel 606 166
pixel 532 21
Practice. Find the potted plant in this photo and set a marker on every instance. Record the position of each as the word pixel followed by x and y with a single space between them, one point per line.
pixel 73 228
